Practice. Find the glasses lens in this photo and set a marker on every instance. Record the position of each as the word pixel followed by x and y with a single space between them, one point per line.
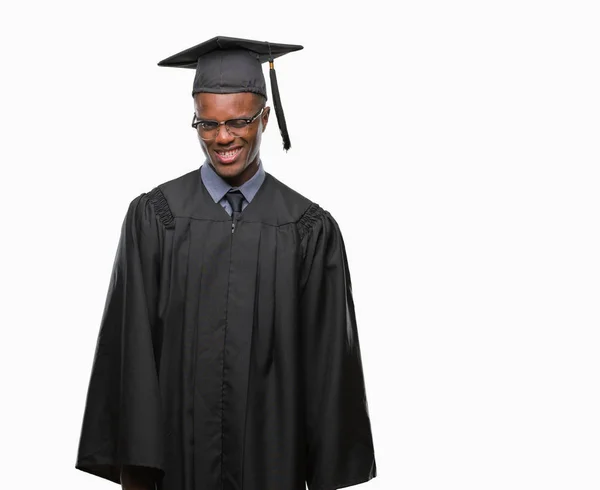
pixel 237 124
pixel 237 127
pixel 207 129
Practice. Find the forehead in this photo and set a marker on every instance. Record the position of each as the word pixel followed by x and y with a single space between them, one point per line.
pixel 225 106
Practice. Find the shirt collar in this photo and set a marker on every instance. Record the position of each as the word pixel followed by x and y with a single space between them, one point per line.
pixel 217 187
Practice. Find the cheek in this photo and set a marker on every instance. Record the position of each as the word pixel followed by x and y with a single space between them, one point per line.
pixel 257 138
pixel 252 143
pixel 203 145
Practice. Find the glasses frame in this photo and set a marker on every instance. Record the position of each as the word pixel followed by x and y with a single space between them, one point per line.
pixel 196 122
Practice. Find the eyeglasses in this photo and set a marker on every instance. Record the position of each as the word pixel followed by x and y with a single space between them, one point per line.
pixel 208 130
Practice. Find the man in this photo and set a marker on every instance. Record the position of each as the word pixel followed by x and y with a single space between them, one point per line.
pixel 228 354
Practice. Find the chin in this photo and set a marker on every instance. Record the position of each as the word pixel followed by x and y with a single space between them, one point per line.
pixel 229 170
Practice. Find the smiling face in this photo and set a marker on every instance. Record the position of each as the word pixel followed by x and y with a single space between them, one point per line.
pixel 234 158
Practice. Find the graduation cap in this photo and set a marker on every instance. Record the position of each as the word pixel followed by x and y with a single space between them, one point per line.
pixel 226 65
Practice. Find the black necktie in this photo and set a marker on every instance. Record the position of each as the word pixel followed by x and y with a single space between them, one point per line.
pixel 235 198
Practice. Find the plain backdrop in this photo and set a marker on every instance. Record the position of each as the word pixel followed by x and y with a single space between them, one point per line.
pixel 457 145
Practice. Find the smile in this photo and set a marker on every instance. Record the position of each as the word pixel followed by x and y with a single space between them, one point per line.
pixel 229 155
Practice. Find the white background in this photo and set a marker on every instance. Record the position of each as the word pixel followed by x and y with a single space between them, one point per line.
pixel 457 145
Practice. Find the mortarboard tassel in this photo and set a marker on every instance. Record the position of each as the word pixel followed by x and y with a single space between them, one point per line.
pixel 278 108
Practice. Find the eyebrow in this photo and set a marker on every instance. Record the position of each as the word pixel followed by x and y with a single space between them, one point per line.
pixel 228 119
pixel 261 105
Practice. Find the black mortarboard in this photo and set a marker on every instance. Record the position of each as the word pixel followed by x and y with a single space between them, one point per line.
pixel 227 65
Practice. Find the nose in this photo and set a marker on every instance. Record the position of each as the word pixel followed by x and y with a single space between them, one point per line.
pixel 223 136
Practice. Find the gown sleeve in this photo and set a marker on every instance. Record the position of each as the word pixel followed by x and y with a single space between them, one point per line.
pixel 339 449
pixel 122 421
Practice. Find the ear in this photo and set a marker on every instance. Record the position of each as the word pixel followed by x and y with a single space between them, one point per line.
pixel 265 117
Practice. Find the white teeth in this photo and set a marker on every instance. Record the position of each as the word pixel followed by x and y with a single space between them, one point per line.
pixel 229 153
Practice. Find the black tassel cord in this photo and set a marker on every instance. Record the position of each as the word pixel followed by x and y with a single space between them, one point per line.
pixel 278 109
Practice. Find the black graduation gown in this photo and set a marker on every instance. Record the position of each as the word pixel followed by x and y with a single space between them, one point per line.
pixel 228 357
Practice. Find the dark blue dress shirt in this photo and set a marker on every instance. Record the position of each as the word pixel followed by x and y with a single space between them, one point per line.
pixel 217 187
